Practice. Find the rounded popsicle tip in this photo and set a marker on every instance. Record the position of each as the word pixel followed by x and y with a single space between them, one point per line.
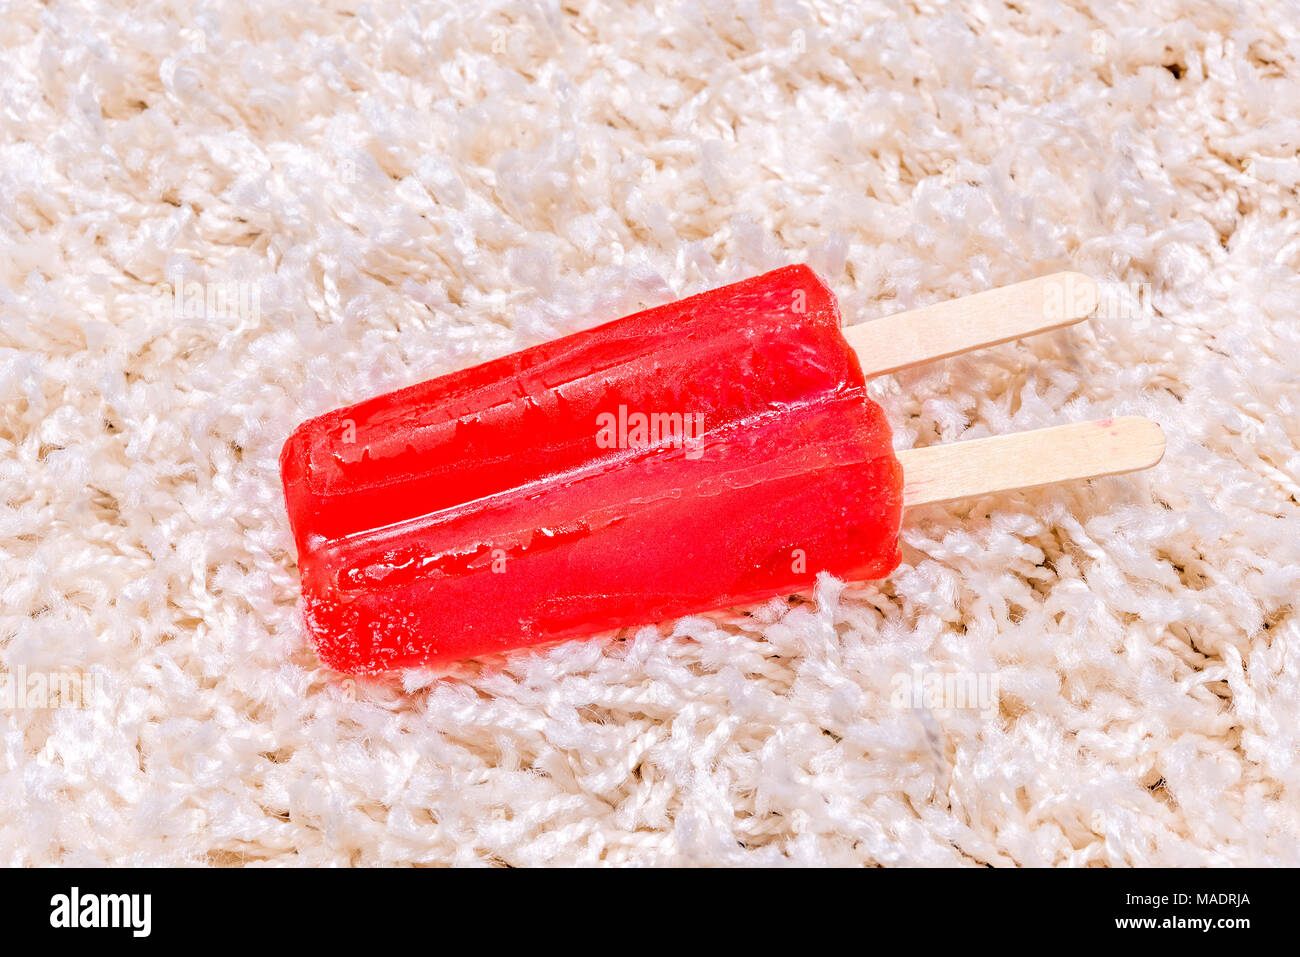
pixel 1125 443
pixel 1142 440
pixel 1069 296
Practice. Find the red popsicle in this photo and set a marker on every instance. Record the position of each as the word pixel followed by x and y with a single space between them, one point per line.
pixel 713 451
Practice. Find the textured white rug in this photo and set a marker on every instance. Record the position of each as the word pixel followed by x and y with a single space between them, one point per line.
pixel 375 194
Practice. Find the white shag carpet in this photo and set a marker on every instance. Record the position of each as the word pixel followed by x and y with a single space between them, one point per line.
pixel 412 188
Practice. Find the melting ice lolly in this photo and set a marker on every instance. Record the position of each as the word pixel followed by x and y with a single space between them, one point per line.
pixel 713 451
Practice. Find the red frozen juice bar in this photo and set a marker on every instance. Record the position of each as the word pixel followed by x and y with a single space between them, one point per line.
pixel 714 451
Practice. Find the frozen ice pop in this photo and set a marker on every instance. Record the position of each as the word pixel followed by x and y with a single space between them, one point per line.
pixel 713 451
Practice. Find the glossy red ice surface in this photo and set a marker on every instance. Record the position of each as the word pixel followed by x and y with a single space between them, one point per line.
pixel 518 502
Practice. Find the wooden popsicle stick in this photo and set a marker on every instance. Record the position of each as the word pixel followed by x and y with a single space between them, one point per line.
pixel 1028 459
pixel 971 322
